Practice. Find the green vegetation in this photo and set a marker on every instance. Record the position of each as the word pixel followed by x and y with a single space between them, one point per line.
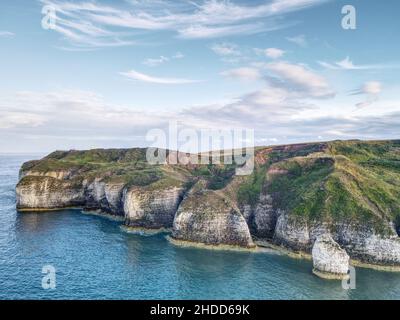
pixel 346 181
pixel 250 190
pixel 217 176
pixel 351 181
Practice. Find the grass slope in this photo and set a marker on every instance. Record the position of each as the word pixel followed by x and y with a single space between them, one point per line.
pixel 352 181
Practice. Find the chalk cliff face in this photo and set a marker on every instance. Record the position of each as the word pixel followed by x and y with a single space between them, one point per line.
pixel 151 209
pixel 45 192
pixel 292 233
pixel 204 216
pixel 329 259
pixel 104 196
pixel 265 217
pixel 296 194
pixel 367 245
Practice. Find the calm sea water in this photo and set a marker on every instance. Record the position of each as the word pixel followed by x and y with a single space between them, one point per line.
pixel 95 259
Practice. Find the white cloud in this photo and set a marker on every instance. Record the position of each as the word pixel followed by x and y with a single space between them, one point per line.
pixel 10 119
pixel 226 49
pixel 300 77
pixel 274 53
pixel 371 89
pixel 152 62
pixel 134 75
pixel 347 64
pixel 45 121
pixel 6 34
pixel 245 73
pixel 178 55
pixel 31 109
pixel 96 23
pixel 299 40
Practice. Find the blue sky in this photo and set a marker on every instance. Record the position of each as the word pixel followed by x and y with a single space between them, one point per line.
pixel 109 71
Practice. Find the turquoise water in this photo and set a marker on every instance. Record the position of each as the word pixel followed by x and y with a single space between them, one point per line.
pixel 95 259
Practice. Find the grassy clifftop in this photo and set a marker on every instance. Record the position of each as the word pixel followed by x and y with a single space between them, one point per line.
pixel 356 181
pixel 347 181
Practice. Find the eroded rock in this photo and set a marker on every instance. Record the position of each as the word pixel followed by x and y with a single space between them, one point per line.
pixel 205 216
pixel 329 259
pixel 151 209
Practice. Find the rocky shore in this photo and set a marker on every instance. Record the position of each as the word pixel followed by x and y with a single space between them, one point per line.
pixel 323 199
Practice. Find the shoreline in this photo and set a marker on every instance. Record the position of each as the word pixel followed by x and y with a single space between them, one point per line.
pixel 39 210
pixel 260 245
pixel 199 245
pixel 330 276
pixel 144 231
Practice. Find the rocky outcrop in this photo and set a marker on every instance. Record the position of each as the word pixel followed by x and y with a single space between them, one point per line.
pixel 265 217
pixel 205 216
pixel 366 245
pixel 296 195
pixel 44 193
pixel 292 233
pixel 329 259
pixel 104 196
pixel 151 209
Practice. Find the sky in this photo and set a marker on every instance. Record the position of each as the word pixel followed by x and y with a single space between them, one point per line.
pixel 101 74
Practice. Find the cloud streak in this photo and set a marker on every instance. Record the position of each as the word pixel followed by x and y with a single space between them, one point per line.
pixel 347 64
pixel 138 76
pixel 80 119
pixel 97 24
pixel 6 34
pixel 300 40
pixel 371 89
pixel 245 73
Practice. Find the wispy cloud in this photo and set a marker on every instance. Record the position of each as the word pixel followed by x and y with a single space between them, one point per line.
pixel 300 77
pixel 300 40
pixel 138 76
pixel 6 34
pixel 96 23
pixel 88 120
pixel 153 62
pixel 371 90
pixel 273 53
pixel 370 87
pixel 347 64
pixel 245 73
pixel 226 49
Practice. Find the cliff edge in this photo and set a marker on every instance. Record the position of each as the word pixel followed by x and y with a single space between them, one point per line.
pixel 348 191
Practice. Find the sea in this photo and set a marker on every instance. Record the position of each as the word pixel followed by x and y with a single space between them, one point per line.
pixel 72 254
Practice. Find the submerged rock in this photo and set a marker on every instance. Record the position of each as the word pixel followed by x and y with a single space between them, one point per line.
pixel 329 259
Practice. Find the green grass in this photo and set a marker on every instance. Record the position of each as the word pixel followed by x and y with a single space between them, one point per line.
pixel 250 190
pixel 339 181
